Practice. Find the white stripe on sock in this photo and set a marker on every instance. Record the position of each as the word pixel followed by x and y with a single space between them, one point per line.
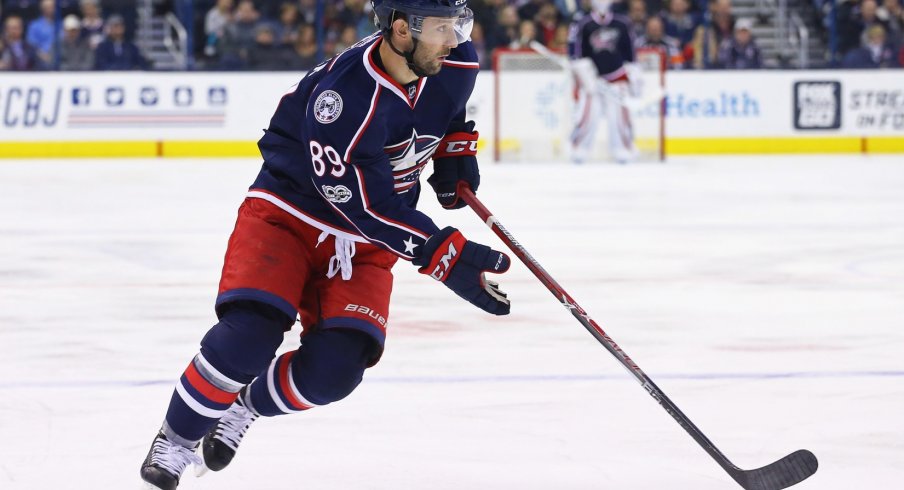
pixel 297 393
pixel 195 405
pixel 271 387
pixel 234 386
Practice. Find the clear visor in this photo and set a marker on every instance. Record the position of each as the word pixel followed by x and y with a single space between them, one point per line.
pixel 445 31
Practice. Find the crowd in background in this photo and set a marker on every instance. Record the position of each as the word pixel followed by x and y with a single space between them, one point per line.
pixel 285 34
pixel 871 34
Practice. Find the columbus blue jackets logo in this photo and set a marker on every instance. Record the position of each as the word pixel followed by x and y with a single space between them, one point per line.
pixel 408 159
pixel 327 107
pixel 604 39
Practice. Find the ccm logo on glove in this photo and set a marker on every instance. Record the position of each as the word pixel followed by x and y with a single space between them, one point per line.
pixel 445 262
pixel 461 147
pixel 460 264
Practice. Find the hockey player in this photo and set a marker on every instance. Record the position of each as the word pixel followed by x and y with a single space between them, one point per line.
pixel 329 214
pixel 601 47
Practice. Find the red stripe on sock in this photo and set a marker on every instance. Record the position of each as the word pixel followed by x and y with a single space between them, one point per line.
pixel 207 389
pixel 283 375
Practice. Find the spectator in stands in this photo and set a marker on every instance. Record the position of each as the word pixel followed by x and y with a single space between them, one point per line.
pixel 528 10
pixel 655 37
pixel 92 22
pixel 286 30
pixel 356 13
pixel 347 37
pixel 42 32
pixel 527 32
pixel 560 41
pixel 305 49
pixel 506 31
pixel 308 11
pixel 215 23
pixel 16 55
pixel 875 53
pixel 869 16
pixel 722 28
pixel 480 46
pixel 75 51
pixel 892 15
pixel 267 54
pixel 680 24
pixel 853 21
pixel 485 12
pixel 740 52
pixel 116 52
pixel 637 14
pixel 546 21
pixel 239 36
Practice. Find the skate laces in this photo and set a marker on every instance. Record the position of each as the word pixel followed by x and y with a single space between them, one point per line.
pixel 233 425
pixel 172 457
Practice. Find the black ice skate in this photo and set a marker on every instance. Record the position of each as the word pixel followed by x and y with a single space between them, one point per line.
pixel 165 463
pixel 220 444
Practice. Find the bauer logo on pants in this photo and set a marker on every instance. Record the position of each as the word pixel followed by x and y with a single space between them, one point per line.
pixel 365 310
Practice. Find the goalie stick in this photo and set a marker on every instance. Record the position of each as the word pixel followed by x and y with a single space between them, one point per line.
pixel 788 471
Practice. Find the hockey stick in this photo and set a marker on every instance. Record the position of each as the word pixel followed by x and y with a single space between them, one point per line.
pixel 790 470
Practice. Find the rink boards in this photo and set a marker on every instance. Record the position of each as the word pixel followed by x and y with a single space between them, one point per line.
pixel 222 114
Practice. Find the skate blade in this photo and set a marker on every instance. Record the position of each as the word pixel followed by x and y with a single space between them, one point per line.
pixel 201 469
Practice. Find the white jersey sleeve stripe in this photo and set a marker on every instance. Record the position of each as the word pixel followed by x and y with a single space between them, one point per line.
pixel 376 216
pixel 370 114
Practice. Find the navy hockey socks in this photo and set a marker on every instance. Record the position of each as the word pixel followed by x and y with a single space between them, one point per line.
pixel 326 368
pixel 232 353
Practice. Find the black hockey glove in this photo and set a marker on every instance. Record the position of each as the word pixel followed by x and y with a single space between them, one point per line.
pixel 455 160
pixel 460 264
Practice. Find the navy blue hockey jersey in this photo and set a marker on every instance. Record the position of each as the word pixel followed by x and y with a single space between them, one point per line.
pixel 346 147
pixel 607 40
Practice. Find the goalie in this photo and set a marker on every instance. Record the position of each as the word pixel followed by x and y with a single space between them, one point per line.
pixel 601 47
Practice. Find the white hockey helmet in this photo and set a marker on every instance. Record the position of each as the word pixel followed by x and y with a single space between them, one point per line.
pixel 601 6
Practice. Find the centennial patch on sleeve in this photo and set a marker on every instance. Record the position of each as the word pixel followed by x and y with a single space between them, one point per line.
pixel 327 107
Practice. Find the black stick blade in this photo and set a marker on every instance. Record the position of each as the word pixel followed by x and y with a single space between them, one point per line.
pixel 790 470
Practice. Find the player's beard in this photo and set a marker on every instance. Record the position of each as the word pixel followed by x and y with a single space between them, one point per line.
pixel 428 61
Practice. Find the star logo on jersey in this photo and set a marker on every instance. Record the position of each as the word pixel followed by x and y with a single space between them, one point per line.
pixel 604 39
pixel 409 245
pixel 409 157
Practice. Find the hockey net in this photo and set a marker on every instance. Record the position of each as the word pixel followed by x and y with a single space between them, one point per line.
pixel 534 104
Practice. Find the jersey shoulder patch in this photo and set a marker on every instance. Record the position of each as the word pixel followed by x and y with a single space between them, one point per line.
pixel 327 107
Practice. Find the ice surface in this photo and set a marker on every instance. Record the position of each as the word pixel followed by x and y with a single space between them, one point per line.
pixel 765 296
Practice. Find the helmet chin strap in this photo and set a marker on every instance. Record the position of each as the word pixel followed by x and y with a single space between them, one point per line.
pixel 408 55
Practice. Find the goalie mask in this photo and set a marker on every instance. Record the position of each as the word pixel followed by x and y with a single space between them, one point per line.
pixel 601 6
pixel 442 22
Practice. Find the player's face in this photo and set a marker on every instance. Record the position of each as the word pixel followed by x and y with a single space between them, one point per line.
pixel 436 39
pixel 429 57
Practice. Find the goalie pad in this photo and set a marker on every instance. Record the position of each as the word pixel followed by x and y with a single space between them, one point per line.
pixel 635 80
pixel 585 73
